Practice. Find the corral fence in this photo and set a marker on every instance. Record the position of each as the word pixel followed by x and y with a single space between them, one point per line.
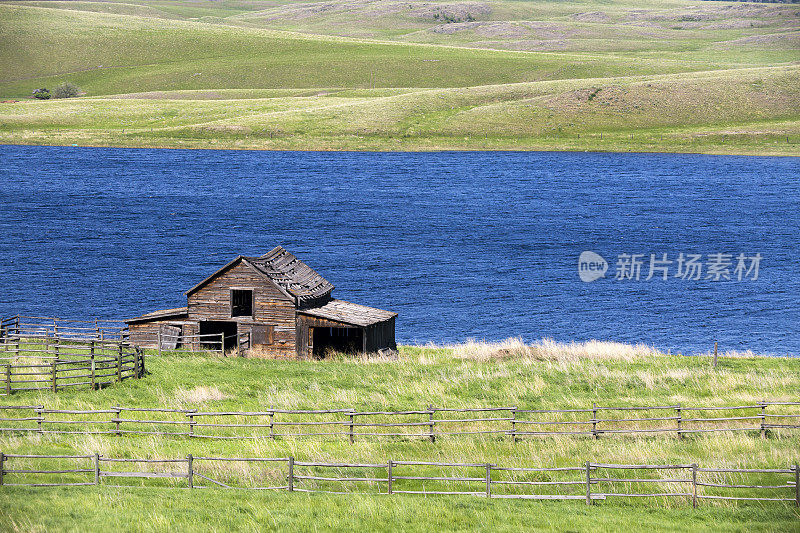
pixel 62 328
pixel 171 339
pixel 166 338
pixel 588 482
pixel 55 364
pixel 430 424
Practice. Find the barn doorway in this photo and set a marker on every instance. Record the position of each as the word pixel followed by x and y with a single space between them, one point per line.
pixel 342 340
pixel 215 327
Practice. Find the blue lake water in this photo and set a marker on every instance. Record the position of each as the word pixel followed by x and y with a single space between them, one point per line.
pixel 481 245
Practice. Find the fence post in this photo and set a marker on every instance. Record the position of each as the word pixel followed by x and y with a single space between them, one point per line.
pixel 94 382
pixel 432 422
pixel 159 341
pixel 763 420
pixel 514 425
pixel 53 376
pixel 2 467
pixel 797 484
pixel 351 428
pixel 8 379
pixel 680 418
pixel 694 485
pixel 272 426
pixel 39 416
pixel 588 484
pixel 96 468
pixel 715 355
pixel 389 478
pixel 190 470
pixel 191 423
pixel 594 420
pixel 119 413
pixel 488 480
pixel 119 363
pixel 291 474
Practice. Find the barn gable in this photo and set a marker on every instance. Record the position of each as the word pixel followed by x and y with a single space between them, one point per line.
pixel 298 281
pixel 240 261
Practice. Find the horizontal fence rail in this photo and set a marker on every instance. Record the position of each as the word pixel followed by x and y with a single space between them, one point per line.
pixel 164 339
pixel 157 342
pixel 55 364
pixel 428 424
pixel 67 329
pixel 589 482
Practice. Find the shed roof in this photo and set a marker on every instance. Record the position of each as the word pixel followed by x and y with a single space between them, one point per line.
pixel 178 312
pixel 349 313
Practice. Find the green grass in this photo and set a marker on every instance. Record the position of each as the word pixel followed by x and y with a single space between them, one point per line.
pixel 671 77
pixel 133 510
pixel 468 377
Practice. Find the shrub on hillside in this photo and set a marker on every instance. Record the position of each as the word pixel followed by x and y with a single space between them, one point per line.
pixel 41 94
pixel 66 90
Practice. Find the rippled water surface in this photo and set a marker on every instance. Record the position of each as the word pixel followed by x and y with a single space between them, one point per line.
pixel 461 245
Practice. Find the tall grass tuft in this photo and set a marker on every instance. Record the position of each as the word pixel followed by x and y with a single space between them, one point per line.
pixel 551 350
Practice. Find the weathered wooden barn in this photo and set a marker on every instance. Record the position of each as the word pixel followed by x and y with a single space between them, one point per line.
pixel 278 303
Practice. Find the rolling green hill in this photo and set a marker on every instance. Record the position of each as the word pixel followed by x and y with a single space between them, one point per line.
pixel 660 76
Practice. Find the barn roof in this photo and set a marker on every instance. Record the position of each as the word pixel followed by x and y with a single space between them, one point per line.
pixel 291 275
pixel 349 313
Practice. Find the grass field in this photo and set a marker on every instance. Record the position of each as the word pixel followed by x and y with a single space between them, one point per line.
pixel 466 376
pixel 663 75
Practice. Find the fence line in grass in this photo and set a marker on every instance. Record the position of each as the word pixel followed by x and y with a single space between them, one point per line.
pixel 589 482
pixel 429 423
pixel 54 363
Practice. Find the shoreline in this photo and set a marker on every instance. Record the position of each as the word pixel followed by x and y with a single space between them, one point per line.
pixel 412 148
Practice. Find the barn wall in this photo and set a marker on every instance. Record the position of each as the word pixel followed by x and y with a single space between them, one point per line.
pixel 304 323
pixel 270 306
pixel 380 335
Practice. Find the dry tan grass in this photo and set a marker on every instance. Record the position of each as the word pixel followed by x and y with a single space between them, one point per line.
pixel 199 394
pixel 550 350
pixel 264 352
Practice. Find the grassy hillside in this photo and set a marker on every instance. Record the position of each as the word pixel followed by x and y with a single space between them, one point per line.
pixel 660 76
pixel 472 375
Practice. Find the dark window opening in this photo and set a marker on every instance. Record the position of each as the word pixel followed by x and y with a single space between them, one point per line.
pixel 241 302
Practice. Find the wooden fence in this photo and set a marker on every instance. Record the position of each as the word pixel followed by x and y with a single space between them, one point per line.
pixel 41 329
pixel 430 423
pixel 158 342
pixel 54 364
pixel 587 482
pixel 64 329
